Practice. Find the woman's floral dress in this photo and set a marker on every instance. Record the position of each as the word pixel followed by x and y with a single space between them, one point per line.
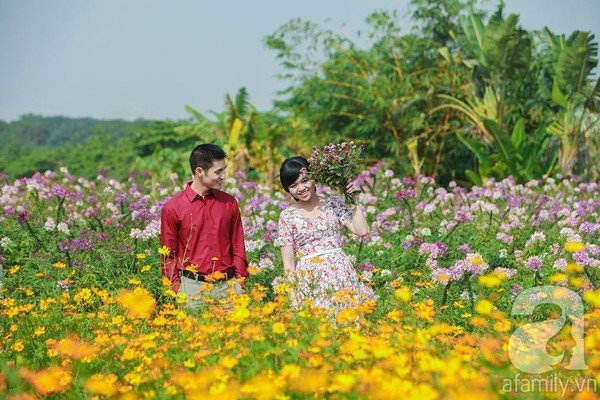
pixel 325 275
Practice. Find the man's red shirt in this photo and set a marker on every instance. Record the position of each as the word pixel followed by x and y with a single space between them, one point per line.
pixel 205 231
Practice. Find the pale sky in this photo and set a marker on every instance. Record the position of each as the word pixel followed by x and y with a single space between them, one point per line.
pixel 149 58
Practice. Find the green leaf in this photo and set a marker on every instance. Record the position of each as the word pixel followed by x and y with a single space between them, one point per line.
pixel 473 177
pixel 507 151
pixel 518 134
pixel 476 147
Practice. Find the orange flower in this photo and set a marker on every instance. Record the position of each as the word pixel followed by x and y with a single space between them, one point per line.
pixel 425 310
pixel 138 303
pixel 74 347
pixel 215 276
pixel 54 379
pixel 103 385
pixel 310 381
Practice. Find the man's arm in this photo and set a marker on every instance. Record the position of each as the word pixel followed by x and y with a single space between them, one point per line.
pixel 240 261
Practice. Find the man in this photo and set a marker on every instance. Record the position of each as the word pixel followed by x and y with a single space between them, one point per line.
pixel 202 229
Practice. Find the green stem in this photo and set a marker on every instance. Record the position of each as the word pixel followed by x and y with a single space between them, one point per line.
pixel 471 300
pixel 33 234
pixel 445 294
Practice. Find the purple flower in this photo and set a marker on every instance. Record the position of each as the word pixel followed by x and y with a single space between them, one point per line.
pixel 405 194
pixel 408 181
pixel 366 266
pixel 534 263
pixel 515 290
pixel 23 216
pixel 589 228
pixel 465 248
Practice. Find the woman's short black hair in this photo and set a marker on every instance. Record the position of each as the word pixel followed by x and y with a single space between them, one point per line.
pixel 290 170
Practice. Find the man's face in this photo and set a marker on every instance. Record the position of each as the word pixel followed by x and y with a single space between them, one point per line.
pixel 214 177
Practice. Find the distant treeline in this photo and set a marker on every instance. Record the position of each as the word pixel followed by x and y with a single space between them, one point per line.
pixel 36 143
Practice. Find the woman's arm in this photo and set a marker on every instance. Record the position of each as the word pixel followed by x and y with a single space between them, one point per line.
pixel 358 224
pixel 289 267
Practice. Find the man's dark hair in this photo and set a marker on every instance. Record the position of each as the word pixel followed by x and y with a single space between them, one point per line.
pixel 290 170
pixel 204 156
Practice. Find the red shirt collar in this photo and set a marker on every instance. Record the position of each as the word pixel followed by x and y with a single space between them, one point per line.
pixel 192 195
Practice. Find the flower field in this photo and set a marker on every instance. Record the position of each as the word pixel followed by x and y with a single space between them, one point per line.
pixel 84 313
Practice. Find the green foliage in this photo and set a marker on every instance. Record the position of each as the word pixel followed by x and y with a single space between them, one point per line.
pixel 446 97
pixel 569 69
pixel 35 143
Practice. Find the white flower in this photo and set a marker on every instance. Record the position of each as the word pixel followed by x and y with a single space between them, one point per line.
pixel 50 225
pixel 4 242
pixel 62 227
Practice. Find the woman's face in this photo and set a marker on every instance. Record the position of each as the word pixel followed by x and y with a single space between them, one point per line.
pixel 303 188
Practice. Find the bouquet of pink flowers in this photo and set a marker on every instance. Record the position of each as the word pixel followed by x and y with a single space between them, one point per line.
pixel 335 166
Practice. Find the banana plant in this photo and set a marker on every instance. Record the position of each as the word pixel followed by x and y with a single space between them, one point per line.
pixel 572 63
pixel 524 156
pixel 230 129
pixel 253 146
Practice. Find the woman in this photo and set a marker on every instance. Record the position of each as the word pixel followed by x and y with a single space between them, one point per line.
pixel 312 229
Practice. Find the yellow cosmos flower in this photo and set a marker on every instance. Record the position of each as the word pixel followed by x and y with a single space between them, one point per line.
pixel 18 346
pixel 282 288
pixel 395 315
pixel 84 296
pixel 484 307
pixel 343 383
pixel 425 310
pixel 180 298
pixel 39 331
pixel 573 268
pixel 145 268
pixel 59 265
pixel 164 251
pixel 253 269
pixel 103 385
pixel 278 328
pixel 573 247
pixel 558 277
pixel 592 297
pixel 140 256
pixel 290 371
pixel 228 362
pixel 403 293
pixel 261 386
pixel 502 325
pixel 492 280
pixel 311 381
pixel 134 281
pixel 191 268
pixel 14 269
pixel 138 303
